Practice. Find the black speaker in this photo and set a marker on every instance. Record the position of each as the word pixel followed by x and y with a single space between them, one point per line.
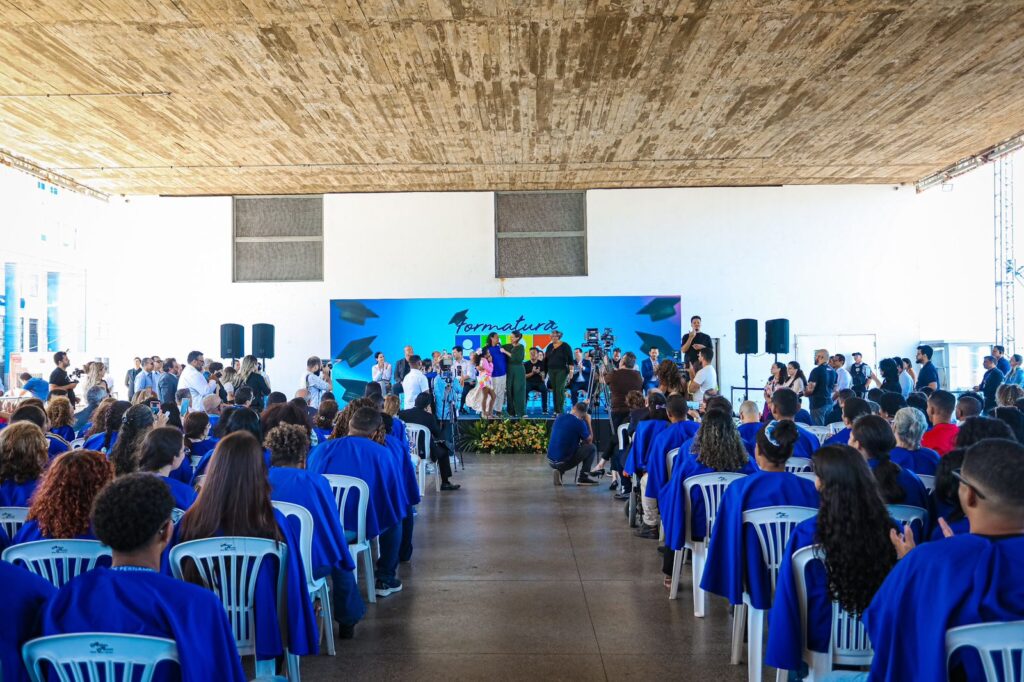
pixel 232 341
pixel 776 336
pixel 746 336
pixel 263 340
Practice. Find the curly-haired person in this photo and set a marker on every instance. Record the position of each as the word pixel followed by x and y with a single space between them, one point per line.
pixel 60 507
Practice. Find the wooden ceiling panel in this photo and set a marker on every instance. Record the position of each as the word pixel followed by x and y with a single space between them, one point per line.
pixel 281 96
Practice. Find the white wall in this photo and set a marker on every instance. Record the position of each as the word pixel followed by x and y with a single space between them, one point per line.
pixel 844 259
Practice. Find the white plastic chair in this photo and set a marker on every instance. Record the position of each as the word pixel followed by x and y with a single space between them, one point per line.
pixel 176 514
pixel 341 486
pixel 711 487
pixel 77 443
pixel 229 566
pixel 773 526
pixel 421 460
pixel 58 561
pixel 834 428
pixel 822 433
pixel 317 588
pixel 848 643
pixel 97 656
pixel 809 475
pixel 198 482
pixel 622 433
pixel 905 513
pixel 929 482
pixel 993 642
pixel 795 464
pixel 12 519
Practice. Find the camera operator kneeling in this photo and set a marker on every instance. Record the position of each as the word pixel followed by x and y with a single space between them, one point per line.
pixel 572 443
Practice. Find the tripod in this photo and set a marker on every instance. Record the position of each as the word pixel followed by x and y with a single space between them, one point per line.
pixel 450 406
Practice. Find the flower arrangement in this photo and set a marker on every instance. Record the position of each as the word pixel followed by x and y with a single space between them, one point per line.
pixel 500 437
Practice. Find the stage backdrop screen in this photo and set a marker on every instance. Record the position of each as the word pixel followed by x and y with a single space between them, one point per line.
pixel 362 328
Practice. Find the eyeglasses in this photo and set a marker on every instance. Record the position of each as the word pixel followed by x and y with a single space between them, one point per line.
pixel 960 477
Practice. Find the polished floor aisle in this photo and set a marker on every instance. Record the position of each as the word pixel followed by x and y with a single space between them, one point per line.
pixel 513 579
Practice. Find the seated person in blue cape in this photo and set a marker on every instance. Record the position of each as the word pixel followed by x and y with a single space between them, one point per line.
pixel 642 435
pixel 835 415
pixel 23 459
pixel 241 419
pixel 852 530
pixel 323 424
pixel 61 416
pixel 571 444
pixel 133 517
pixel 734 563
pixel 35 414
pixel 802 416
pixel 946 496
pixel 400 449
pixel 717 447
pixel 358 455
pixel 60 507
pixel 784 406
pixel 162 452
pixel 235 501
pixel 24 598
pixel 873 437
pixel 678 431
pixel 198 443
pixel 909 427
pixel 290 482
pixel 853 409
pixel 962 580
pixel 750 423
pixel 83 419
pixel 106 437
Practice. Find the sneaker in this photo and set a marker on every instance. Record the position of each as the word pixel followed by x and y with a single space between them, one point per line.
pixel 644 531
pixel 585 480
pixel 385 587
pixel 621 496
pixel 447 485
pixel 558 477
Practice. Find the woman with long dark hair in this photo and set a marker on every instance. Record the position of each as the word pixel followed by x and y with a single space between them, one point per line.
pixel 104 440
pixel 873 437
pixel 890 376
pixel 733 565
pixel 98 420
pixel 241 419
pixel 670 381
pixel 779 377
pixel 23 459
pixel 162 452
pixel 852 528
pixel 797 380
pixel 325 415
pixel 946 495
pixel 235 501
pixel 62 502
pixel 136 423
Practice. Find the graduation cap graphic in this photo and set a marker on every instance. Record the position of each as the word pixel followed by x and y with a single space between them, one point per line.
pixel 459 317
pixel 356 351
pixel 655 341
pixel 660 308
pixel 354 312
pixel 354 389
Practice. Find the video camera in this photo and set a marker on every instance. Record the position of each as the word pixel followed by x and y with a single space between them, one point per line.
pixel 445 367
pixel 599 344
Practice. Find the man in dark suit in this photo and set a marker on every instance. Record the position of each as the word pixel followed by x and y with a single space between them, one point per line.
pixel 647 369
pixel 422 413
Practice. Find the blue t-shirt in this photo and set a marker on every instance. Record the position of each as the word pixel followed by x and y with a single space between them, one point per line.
pixel 928 375
pixel 500 361
pixel 567 433
pixel 1003 365
pixel 38 387
pixel 823 378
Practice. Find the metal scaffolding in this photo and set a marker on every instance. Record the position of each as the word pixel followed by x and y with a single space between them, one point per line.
pixel 1006 270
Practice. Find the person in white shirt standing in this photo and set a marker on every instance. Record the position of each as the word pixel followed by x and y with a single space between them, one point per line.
pixel 706 379
pixel 843 377
pixel 414 383
pixel 192 378
pixel 317 381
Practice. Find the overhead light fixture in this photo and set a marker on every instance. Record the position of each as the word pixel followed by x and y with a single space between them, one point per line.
pixel 968 164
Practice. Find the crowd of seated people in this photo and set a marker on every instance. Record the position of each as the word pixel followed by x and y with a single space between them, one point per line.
pixel 145 476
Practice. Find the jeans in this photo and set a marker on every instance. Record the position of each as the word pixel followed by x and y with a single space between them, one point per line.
pixel 820 414
pixel 584 454
pixel 346 602
pixel 390 542
pixel 466 388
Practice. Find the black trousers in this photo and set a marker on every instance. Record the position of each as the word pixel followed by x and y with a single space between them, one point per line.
pixel 585 453
pixel 440 454
pixel 538 387
pixel 466 388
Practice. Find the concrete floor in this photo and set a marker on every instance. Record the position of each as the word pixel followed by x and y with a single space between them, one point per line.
pixel 513 579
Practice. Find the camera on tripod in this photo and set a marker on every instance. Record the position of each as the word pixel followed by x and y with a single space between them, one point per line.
pixel 444 369
pixel 598 343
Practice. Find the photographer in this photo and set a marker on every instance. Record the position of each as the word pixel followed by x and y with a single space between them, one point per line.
pixel 59 379
pixel 620 383
pixel 464 373
pixel 316 381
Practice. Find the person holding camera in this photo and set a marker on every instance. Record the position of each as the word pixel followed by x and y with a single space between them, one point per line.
pixel 316 381
pixel 464 373
pixel 516 382
pixel 59 379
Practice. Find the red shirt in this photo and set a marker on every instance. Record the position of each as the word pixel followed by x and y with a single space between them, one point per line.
pixel 941 438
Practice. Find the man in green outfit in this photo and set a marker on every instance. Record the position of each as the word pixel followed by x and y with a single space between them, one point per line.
pixel 558 360
pixel 516 382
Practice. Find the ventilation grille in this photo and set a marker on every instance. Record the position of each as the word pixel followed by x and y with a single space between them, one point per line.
pixel 540 234
pixel 278 239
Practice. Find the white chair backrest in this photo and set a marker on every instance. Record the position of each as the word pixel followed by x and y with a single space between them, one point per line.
pixel 623 435
pixel 999 645
pixel 849 643
pixel 341 486
pixel 176 514
pixel 97 656
pixel 198 482
pixel 12 519
pixel 413 432
pixel 58 561
pixel 77 443
pixel 229 566
pixel 305 533
pixel 834 428
pixel 794 464
pixel 929 482
pixel 670 459
pixel 773 526
pixel 905 513
pixel 809 475
pixel 711 487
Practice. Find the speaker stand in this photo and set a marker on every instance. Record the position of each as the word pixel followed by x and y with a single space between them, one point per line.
pixel 746 380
